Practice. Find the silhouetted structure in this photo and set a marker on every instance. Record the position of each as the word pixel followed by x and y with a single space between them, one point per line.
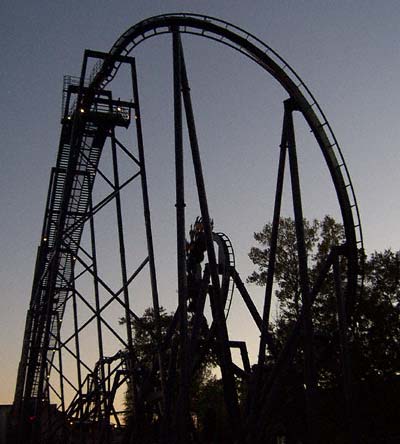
pixel 160 396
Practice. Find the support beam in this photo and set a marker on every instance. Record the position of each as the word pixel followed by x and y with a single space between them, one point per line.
pixel 269 391
pixel 149 233
pixel 307 332
pixel 96 293
pixel 77 345
pixel 350 424
pixel 246 298
pixel 183 398
pixel 273 244
pixel 215 295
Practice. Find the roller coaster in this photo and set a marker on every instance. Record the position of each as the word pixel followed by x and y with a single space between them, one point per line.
pixel 56 402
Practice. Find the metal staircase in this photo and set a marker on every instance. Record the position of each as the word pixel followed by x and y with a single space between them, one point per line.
pixel 84 132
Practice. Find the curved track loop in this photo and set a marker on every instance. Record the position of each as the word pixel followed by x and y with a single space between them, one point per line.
pixel 226 260
pixel 275 65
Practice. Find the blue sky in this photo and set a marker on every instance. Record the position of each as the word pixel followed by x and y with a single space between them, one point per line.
pixel 347 52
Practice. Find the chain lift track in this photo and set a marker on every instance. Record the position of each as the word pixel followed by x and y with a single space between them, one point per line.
pixel 90 118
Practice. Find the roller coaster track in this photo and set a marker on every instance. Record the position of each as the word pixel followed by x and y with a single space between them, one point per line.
pixel 227 260
pixel 86 124
pixel 255 49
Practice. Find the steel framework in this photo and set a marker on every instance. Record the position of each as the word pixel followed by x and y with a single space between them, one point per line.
pixel 160 393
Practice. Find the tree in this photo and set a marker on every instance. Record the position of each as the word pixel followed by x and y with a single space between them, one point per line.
pixel 144 334
pixel 145 383
pixel 375 323
pixel 320 236
pixel 206 396
pixel 376 320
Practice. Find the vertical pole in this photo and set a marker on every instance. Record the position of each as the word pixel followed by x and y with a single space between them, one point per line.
pixel 96 293
pixel 149 235
pixel 60 363
pixel 77 347
pixel 310 377
pixel 129 333
pixel 121 242
pixel 100 388
pixel 273 242
pixel 218 311
pixel 78 358
pixel 183 401
pixel 198 317
pixel 258 377
pixel 344 351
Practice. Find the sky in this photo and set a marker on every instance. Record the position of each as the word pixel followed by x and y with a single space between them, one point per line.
pixel 347 52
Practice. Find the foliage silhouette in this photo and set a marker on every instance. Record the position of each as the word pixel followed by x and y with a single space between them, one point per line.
pixel 374 328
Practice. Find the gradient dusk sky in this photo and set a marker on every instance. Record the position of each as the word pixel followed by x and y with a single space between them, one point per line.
pixel 347 52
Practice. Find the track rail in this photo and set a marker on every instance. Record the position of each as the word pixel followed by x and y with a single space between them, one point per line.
pixel 228 262
pixel 262 54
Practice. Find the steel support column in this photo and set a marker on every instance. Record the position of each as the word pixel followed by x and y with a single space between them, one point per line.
pixel 351 428
pixel 96 293
pixel 121 241
pixel 273 243
pixel 149 235
pixel 78 354
pixel 218 311
pixel 125 282
pixel 307 333
pixel 183 399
